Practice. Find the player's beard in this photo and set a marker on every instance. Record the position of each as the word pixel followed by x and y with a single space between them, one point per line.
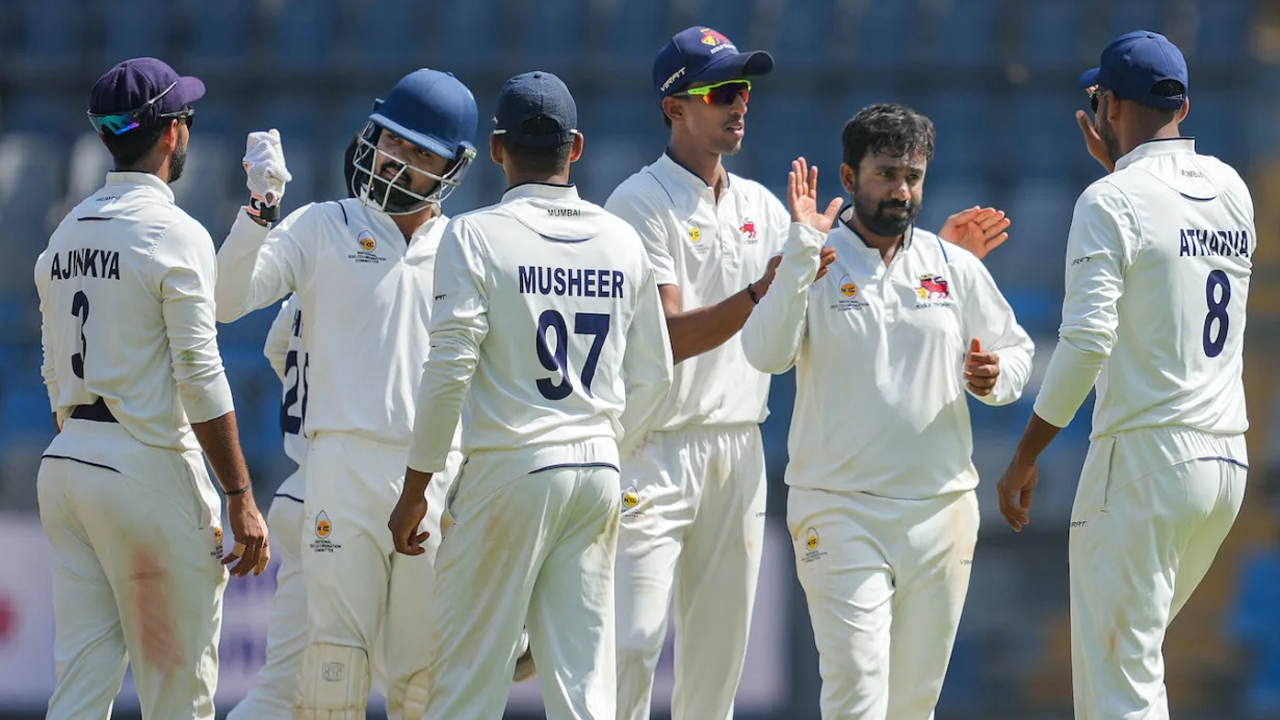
pixel 1108 135
pixel 391 195
pixel 878 222
pixel 177 162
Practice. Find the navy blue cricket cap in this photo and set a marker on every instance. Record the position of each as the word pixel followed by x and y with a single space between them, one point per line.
pixel 1132 65
pixel 137 92
pixel 700 54
pixel 535 109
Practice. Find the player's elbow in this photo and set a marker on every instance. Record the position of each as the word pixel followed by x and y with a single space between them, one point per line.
pixel 1092 342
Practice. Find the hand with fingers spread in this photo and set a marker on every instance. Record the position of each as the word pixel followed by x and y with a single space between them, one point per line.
pixel 1014 490
pixel 1092 139
pixel 981 369
pixel 802 198
pixel 408 514
pixel 250 533
pixel 977 229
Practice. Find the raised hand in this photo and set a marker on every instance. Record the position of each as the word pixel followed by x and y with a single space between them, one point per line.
pixel 977 229
pixel 802 198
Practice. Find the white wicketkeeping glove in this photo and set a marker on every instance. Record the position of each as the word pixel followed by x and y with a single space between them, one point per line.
pixel 267 174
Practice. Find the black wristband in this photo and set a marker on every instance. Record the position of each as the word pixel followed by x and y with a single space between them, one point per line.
pixel 263 211
pixel 751 293
pixel 244 489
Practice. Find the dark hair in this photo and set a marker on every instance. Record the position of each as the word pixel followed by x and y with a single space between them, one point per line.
pixel 889 129
pixel 544 160
pixel 129 148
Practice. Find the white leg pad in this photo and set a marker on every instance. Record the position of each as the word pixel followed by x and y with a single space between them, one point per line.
pixel 415 696
pixel 333 683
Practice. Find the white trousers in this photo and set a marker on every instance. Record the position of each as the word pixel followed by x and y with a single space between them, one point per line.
pixel 693 528
pixel 885 580
pixel 137 576
pixel 354 582
pixel 1138 550
pixel 538 546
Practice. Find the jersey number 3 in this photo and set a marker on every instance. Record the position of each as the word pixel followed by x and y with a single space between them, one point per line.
pixel 80 308
pixel 1219 284
pixel 557 359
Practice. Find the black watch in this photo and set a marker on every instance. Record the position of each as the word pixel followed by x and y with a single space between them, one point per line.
pixel 751 293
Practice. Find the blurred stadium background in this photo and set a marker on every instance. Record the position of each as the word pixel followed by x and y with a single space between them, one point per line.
pixel 997 78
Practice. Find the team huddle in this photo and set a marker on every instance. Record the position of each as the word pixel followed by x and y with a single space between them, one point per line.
pixel 526 433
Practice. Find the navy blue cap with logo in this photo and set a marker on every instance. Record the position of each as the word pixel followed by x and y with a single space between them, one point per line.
pixel 536 109
pixel 1134 63
pixel 700 54
pixel 141 92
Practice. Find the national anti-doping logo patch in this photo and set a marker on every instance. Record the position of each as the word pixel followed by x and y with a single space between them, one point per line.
pixel 695 234
pixel 323 527
pixel 367 243
pixel 848 299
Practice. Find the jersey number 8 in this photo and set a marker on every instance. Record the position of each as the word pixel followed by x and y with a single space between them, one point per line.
pixel 1213 344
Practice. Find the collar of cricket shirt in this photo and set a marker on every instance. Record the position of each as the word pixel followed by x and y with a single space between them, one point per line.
pixel 141 179
pixel 1159 146
pixel 675 171
pixel 551 191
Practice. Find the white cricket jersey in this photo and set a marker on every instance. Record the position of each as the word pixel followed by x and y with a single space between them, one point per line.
pixel 285 351
pixel 711 250
pixel 1157 277
pixel 879 354
pixel 126 291
pixel 548 330
pixel 366 297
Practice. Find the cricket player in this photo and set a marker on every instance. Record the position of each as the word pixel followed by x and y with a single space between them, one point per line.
pixel 548 340
pixel 881 505
pixel 694 497
pixel 1157 278
pixel 273 695
pixel 362 269
pixel 137 390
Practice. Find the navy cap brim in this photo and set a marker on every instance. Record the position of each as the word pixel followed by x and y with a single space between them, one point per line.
pixel 188 90
pixel 417 138
pixel 1090 78
pixel 728 67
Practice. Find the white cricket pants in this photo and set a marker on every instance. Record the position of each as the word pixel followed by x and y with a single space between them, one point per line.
pixel 354 582
pixel 137 575
pixel 535 548
pixel 693 527
pixel 885 580
pixel 272 697
pixel 1138 549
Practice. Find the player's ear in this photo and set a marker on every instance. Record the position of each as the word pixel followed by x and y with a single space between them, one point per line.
pixel 1186 108
pixel 495 149
pixel 170 135
pixel 575 152
pixel 848 178
pixel 673 108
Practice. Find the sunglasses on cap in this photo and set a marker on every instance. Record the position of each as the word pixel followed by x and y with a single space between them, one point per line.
pixel 721 93
pixel 121 123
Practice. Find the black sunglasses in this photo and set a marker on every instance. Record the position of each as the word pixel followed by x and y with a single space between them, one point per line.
pixel 1095 95
pixel 186 115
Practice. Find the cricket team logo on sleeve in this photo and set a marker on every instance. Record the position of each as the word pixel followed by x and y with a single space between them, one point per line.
pixel 324 529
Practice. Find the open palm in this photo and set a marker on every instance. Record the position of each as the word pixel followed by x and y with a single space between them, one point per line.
pixel 802 198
